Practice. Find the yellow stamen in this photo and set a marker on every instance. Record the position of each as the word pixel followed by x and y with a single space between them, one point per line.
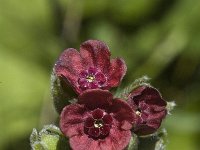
pixel 138 113
pixel 98 123
pixel 90 78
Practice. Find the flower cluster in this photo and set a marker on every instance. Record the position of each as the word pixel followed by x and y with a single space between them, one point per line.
pixel 98 120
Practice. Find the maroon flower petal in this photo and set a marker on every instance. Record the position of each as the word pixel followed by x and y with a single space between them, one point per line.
pixel 84 85
pixel 97 114
pixel 94 132
pixel 100 77
pixel 70 66
pixel 125 125
pixel 95 98
pixel 150 95
pixel 70 62
pixel 107 119
pixel 92 71
pixel 153 97
pixel 83 74
pixel 95 53
pixel 72 119
pixel 105 130
pixel 117 139
pixel 157 115
pixel 144 130
pixel 83 142
pixel 144 117
pixel 93 85
pixel 89 122
pixel 117 71
pixel 82 81
pixel 122 112
pixel 154 123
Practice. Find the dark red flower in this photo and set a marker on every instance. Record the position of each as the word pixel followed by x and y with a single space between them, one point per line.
pixel 150 109
pixel 91 68
pixel 97 122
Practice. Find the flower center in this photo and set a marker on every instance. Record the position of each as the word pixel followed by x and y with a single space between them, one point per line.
pixel 91 79
pixel 98 123
pixel 138 112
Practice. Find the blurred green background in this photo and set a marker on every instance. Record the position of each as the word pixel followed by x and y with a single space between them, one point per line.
pixel 158 38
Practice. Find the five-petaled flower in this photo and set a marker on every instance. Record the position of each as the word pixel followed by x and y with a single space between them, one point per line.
pixel 97 121
pixel 91 68
pixel 149 107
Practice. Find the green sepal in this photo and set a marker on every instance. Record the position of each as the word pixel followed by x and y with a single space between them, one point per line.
pixel 170 106
pixel 156 141
pixel 49 138
pixel 133 144
pixel 160 144
pixel 61 92
pixel 39 146
pixel 34 136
